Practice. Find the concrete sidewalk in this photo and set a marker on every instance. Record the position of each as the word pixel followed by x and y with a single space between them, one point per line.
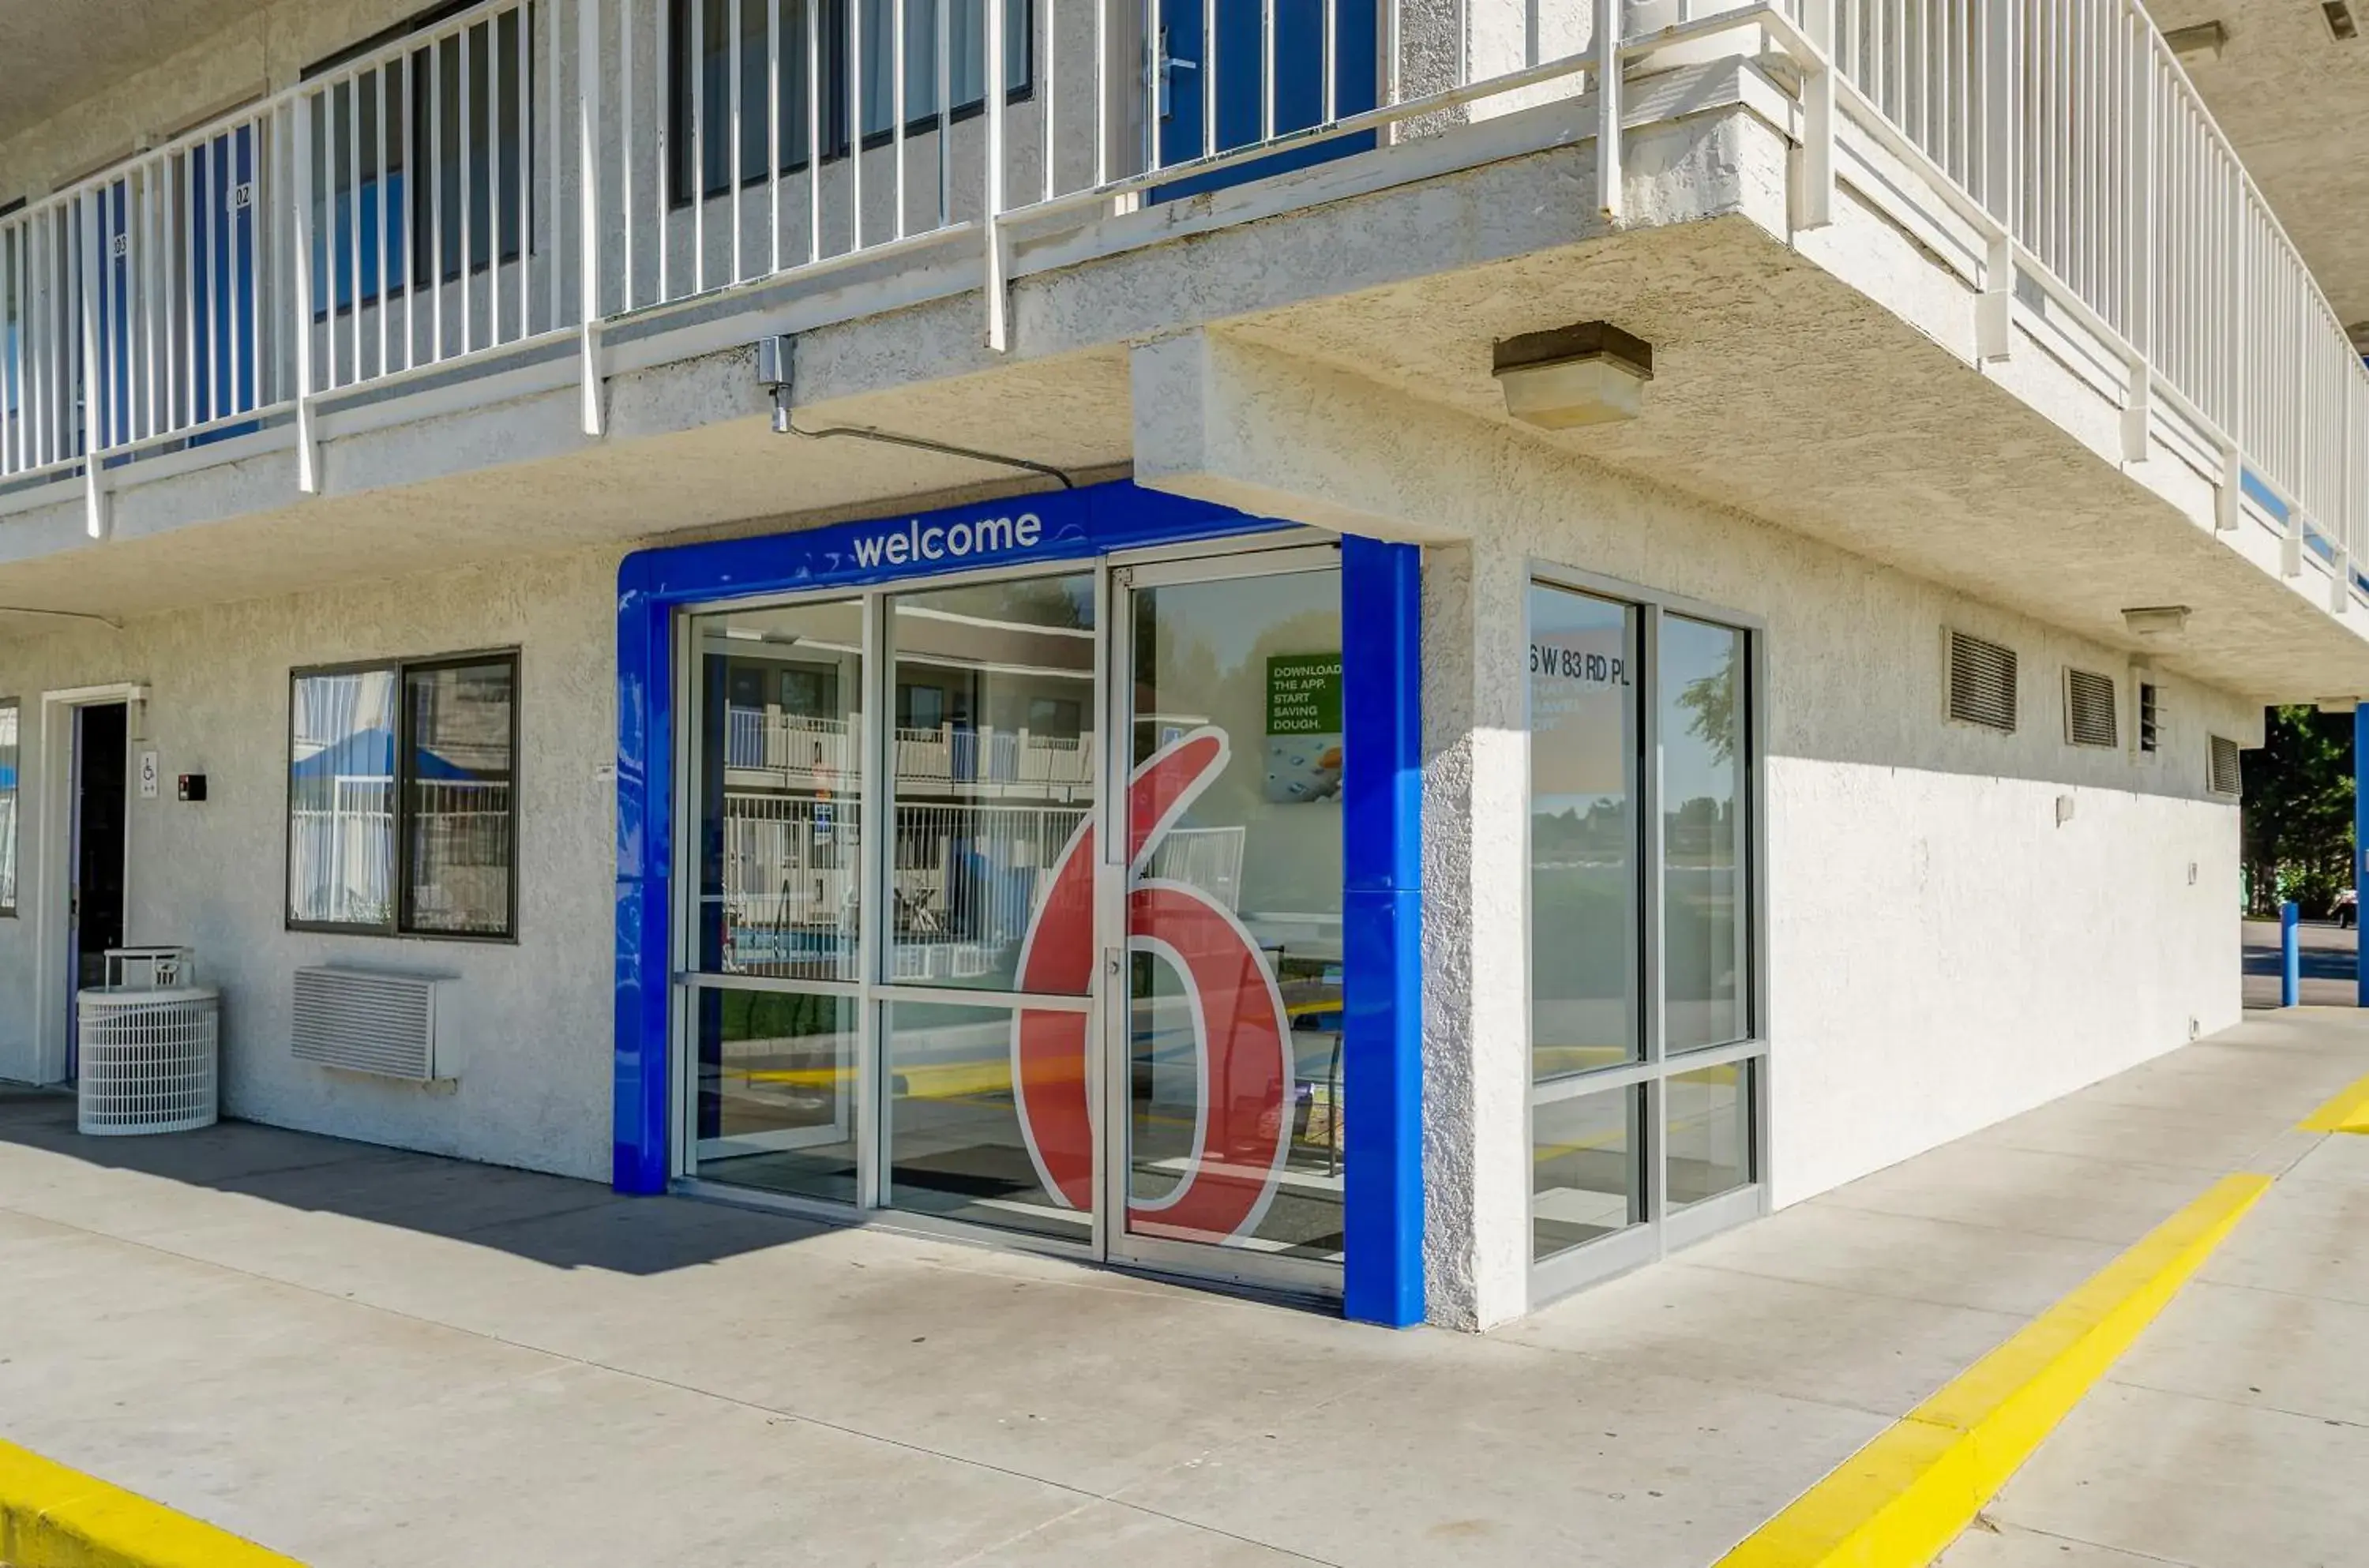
pixel 2236 1432
pixel 363 1357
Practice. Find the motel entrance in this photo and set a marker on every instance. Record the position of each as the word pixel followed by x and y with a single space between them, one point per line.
pixel 1008 898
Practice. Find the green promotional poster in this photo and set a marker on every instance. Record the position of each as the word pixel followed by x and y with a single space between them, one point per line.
pixel 1303 727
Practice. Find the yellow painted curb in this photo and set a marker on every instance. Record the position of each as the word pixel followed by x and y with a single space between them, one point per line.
pixel 54 1518
pixel 2349 1112
pixel 1905 1497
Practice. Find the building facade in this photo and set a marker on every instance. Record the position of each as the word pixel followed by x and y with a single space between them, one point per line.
pixel 1212 638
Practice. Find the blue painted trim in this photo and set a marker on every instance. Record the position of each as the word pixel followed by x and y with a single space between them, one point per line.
pixel 2290 955
pixel 2360 846
pixel 1382 969
pixel 1381 815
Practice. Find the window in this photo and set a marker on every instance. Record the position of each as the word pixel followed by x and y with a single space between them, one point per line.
pixel 402 810
pixel 714 46
pixel 1055 718
pixel 2221 767
pixel 1982 682
pixel 7 808
pixel 2089 715
pixel 1643 1035
pixel 417 161
pixel 2150 717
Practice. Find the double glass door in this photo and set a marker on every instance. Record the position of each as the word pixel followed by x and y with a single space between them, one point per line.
pixel 1014 903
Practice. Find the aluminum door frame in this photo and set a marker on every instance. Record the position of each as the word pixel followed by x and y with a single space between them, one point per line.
pixel 1190 1260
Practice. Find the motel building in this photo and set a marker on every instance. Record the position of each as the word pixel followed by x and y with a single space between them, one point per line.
pixel 1398 655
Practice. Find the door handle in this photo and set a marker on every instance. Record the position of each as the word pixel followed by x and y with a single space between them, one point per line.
pixel 1169 65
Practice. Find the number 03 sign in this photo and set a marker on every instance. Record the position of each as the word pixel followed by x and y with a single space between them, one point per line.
pixel 1241 1043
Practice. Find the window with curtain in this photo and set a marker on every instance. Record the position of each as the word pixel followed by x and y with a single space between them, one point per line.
pixel 402 806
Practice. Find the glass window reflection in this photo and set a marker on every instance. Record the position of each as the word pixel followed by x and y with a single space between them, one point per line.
pixel 1583 849
pixel 987 795
pixel 1705 897
pixel 781 740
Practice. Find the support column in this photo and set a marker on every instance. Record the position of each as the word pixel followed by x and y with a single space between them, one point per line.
pixel 2360 844
pixel 1382 924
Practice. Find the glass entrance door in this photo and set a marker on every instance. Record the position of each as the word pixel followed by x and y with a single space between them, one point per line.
pixel 987 973
pixel 1016 904
pixel 1224 1057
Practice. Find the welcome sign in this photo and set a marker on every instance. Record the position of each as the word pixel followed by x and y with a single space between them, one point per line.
pixel 1051 525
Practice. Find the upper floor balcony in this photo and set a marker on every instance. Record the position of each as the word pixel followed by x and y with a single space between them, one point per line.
pixel 534 198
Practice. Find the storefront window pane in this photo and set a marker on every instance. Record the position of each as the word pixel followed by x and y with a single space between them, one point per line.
pixel 1583 832
pixel 780 745
pixel 1235 1072
pixel 1706 909
pixel 1710 1142
pixel 7 808
pixel 777 1090
pixel 461 808
pixel 341 798
pixel 1584 1172
pixel 986 802
pixel 958 1145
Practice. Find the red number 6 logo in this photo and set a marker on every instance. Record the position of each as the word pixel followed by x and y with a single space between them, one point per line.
pixel 1241 1043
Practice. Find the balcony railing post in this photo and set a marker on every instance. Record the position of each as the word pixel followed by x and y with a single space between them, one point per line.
pixel 1813 195
pixel 1608 177
pixel 94 370
pixel 2002 112
pixel 588 202
pixel 999 327
pixel 308 470
pixel 2139 212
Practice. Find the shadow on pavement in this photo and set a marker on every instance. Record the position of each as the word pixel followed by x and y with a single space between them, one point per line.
pixel 554 1220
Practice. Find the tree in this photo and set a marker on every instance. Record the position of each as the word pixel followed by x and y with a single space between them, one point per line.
pixel 2298 821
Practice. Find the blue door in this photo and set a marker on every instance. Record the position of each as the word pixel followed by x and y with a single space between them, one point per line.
pixel 1230 57
pixel 204 344
pixel 221 251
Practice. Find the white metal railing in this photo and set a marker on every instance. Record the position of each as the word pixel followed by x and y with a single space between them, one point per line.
pixel 2072 137
pixel 537 169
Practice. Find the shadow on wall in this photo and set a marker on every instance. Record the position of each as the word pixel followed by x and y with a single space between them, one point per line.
pixel 552 1221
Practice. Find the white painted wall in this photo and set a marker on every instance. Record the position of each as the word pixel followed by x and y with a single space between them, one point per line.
pixel 1943 953
pixel 529 1023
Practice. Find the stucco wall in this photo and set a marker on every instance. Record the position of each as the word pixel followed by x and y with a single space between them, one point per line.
pixel 527 1025
pixel 1944 952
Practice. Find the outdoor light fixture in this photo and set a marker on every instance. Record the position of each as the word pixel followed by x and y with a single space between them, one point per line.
pixel 2156 620
pixel 1589 373
pixel 2204 40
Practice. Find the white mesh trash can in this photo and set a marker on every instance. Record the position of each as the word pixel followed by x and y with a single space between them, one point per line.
pixel 149 1054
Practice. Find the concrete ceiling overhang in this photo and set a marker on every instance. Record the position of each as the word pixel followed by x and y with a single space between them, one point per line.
pixel 59 53
pixel 2295 100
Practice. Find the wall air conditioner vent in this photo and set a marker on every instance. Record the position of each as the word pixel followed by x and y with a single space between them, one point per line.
pixel 2221 769
pixel 1982 682
pixel 2090 716
pixel 364 1021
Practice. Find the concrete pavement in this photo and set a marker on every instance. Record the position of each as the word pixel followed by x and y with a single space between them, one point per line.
pixel 2236 1432
pixel 363 1357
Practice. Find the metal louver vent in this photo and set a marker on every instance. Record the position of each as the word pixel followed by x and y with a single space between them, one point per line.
pixel 2150 717
pixel 365 1022
pixel 1982 682
pixel 2090 717
pixel 2222 777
